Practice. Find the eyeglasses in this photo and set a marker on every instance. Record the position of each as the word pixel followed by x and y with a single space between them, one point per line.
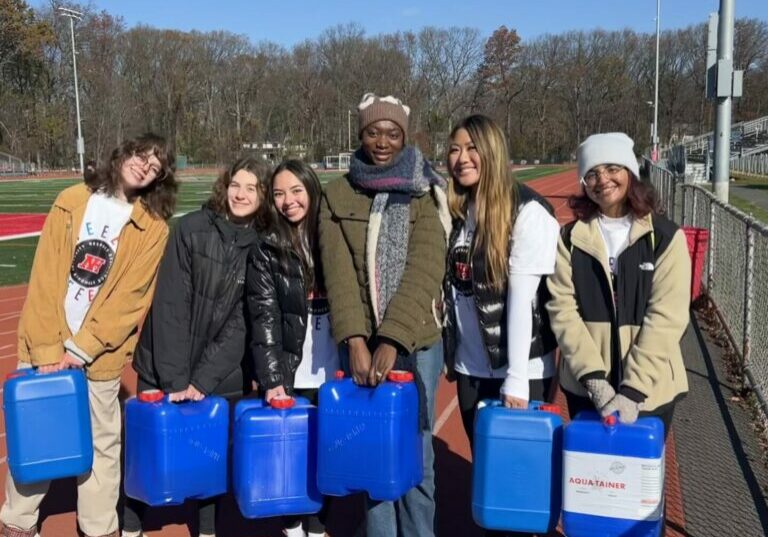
pixel 590 178
pixel 144 159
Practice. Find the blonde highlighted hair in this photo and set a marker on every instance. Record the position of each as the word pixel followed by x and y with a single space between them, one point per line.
pixel 495 196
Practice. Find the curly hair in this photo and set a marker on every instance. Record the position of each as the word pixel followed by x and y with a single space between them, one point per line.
pixel 218 200
pixel 159 197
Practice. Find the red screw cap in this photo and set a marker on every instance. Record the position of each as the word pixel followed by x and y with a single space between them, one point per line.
pixel 339 374
pixel 150 396
pixel 610 420
pixel 282 403
pixel 400 376
pixel 554 409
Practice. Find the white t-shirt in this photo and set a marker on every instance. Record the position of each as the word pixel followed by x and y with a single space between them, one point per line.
pixel 320 355
pixel 533 252
pixel 95 251
pixel 615 232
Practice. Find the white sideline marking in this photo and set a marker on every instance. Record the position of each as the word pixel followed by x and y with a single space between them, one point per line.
pixel 445 415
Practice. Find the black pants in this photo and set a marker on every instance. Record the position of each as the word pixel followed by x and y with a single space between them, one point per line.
pixel 577 403
pixel 312 523
pixel 471 390
pixel 135 510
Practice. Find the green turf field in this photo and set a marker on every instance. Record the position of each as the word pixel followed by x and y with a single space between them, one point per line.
pixel 36 196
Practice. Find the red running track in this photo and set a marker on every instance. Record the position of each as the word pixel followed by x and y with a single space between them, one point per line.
pixel 453 467
pixel 17 223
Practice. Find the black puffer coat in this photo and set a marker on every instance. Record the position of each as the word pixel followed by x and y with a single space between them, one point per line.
pixel 195 331
pixel 491 305
pixel 276 299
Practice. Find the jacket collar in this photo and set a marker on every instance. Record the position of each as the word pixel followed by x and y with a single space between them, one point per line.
pixel 230 233
pixel 587 237
pixel 76 199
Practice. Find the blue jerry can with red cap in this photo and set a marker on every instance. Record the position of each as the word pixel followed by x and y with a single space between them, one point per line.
pixel 175 451
pixel 48 424
pixel 274 460
pixel 369 439
pixel 516 469
pixel 613 477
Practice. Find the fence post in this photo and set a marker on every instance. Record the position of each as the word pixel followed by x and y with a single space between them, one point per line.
pixel 711 252
pixel 748 291
pixel 682 205
pixel 673 196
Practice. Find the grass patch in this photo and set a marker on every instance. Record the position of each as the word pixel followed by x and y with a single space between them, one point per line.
pixel 749 208
pixel 16 256
pixel 537 172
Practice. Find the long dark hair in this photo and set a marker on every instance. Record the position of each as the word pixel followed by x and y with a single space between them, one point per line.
pixel 159 197
pixel 496 196
pixel 642 199
pixel 218 200
pixel 303 239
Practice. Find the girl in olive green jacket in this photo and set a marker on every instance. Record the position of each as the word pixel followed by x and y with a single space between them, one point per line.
pixel 382 241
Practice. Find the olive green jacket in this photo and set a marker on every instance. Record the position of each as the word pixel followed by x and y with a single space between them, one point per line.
pixel 411 319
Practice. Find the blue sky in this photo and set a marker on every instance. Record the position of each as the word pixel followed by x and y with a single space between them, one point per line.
pixel 288 22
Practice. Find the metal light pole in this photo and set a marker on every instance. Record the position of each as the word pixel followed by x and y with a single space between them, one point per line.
pixel 72 15
pixel 655 151
pixel 724 97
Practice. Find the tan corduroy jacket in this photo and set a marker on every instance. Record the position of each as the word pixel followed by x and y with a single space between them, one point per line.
pixel 109 331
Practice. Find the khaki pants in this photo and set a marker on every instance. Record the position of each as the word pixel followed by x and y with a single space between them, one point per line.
pixel 97 490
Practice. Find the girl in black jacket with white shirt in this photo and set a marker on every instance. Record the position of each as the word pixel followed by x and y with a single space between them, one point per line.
pixel 291 342
pixel 193 342
pixel 497 338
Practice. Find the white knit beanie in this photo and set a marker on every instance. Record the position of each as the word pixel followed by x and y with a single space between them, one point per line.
pixel 607 148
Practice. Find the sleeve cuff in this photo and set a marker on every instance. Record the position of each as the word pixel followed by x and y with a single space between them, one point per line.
pixel 600 375
pixel 516 387
pixel 400 349
pixel 633 394
pixel 88 344
pixel 77 352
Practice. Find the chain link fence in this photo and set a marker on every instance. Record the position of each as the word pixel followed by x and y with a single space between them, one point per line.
pixel 735 275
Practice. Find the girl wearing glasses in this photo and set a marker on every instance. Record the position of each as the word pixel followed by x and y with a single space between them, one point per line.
pixel 91 284
pixel 620 291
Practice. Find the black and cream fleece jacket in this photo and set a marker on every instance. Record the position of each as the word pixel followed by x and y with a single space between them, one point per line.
pixel 625 329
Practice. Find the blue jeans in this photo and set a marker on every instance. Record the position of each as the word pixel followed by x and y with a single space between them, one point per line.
pixel 413 515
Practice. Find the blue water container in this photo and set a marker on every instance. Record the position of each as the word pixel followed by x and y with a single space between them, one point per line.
pixel 516 470
pixel 369 439
pixel 175 451
pixel 274 467
pixel 613 477
pixel 48 425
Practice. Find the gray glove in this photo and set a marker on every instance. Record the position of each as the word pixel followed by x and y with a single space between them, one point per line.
pixel 626 407
pixel 600 392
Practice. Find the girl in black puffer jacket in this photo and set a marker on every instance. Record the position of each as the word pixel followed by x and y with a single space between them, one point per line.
pixel 193 342
pixel 291 342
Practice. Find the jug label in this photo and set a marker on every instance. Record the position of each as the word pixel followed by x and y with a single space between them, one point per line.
pixel 613 486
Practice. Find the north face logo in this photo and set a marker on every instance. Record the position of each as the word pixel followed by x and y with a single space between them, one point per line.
pixel 92 263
